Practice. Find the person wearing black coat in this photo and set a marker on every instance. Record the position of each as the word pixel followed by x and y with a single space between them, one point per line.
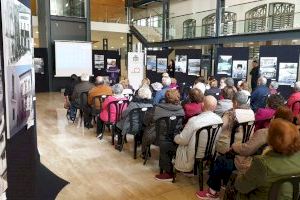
pixel 165 142
pixel 171 68
pixel 255 73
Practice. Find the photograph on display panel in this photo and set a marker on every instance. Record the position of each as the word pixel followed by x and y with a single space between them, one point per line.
pixel 287 73
pixel 99 61
pixel 205 64
pixel 181 63
pixel 224 65
pixel 268 67
pixel 18 65
pixel 38 65
pixel 239 69
pixel 194 67
pixel 151 63
pixel 162 64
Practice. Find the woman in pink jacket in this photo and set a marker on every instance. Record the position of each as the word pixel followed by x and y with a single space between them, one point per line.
pixel 195 104
pixel 117 90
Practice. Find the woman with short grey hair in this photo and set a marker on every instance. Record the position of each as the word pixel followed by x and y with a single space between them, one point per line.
pixel 273 87
pixel 117 90
pixel 142 100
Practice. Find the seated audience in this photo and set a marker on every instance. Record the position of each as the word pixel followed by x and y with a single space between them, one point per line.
pixel 225 103
pixel 273 87
pixel 117 90
pixel 244 152
pixel 194 106
pixel 294 98
pixel 222 83
pixel 69 89
pixel 83 86
pixel 259 96
pixel 170 108
pixel 200 84
pixel 160 95
pixel 214 90
pixel 273 102
pixel 100 89
pixel 281 161
pixel 230 83
pixel 186 139
pixel 240 113
pixel 142 100
pixel 173 85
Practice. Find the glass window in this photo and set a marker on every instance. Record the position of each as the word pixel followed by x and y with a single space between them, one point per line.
pixel 189 28
pixel 256 19
pixel 281 15
pixel 70 8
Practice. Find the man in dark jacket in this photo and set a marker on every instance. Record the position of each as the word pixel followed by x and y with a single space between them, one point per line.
pixel 260 95
pixel 83 86
pixel 255 73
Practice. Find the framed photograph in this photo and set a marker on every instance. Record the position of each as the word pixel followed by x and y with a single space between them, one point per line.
pixel 268 67
pixel 205 64
pixel 224 65
pixel 162 64
pixel 151 62
pixel 38 65
pixel 18 65
pixel 99 61
pixel 194 67
pixel 287 73
pixel 239 69
pixel 181 63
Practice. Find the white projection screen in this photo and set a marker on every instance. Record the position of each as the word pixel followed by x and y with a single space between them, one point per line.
pixel 73 57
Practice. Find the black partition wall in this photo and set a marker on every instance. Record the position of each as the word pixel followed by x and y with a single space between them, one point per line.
pixel 284 54
pixel 227 60
pixel 151 74
pixel 107 54
pixel 191 54
pixel 42 78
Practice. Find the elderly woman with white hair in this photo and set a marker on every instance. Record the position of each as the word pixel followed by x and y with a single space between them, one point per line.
pixel 273 87
pixel 142 100
pixel 260 95
pixel 117 90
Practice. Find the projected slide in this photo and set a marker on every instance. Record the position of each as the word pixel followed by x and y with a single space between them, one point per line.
pixel 73 58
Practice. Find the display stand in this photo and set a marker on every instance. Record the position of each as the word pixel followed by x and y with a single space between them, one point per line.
pixel 152 74
pixel 42 77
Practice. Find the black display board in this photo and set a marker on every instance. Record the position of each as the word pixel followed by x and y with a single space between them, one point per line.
pixel 237 53
pixel 191 54
pixel 284 54
pixel 153 75
pixel 42 79
pixel 107 55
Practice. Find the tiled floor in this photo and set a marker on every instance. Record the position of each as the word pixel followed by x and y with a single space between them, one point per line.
pixel 94 168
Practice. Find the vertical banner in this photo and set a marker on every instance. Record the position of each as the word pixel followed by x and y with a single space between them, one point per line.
pixel 135 69
pixel 18 65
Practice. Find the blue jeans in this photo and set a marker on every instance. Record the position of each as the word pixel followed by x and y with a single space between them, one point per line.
pixel 221 170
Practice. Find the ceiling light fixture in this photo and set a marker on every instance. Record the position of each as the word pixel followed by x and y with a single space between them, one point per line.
pixel 122 37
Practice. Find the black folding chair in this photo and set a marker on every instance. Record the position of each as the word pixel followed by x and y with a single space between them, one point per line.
pixel 247 130
pixel 276 186
pixel 212 132
pixel 172 123
pixel 140 114
pixel 83 102
pixel 120 107
pixel 129 96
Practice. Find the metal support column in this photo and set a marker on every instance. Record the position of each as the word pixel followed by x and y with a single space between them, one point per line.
pixel 166 22
pixel 105 44
pixel 129 42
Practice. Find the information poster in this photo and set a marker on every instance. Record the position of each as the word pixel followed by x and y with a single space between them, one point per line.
pixel 194 67
pixel 239 69
pixel 268 67
pixel 38 65
pixel 151 62
pixel 224 65
pixel 162 64
pixel 135 69
pixel 18 65
pixel 181 63
pixel 99 61
pixel 287 73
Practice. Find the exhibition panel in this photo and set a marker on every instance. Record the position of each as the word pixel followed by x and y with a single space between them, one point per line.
pixel 156 64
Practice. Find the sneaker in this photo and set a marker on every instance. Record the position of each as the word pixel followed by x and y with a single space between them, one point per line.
pixel 207 195
pixel 164 177
pixel 100 136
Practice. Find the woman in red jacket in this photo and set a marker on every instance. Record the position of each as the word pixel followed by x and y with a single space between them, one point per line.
pixel 194 106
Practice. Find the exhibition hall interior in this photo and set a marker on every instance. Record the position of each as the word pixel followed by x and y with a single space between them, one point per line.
pixel 150 99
